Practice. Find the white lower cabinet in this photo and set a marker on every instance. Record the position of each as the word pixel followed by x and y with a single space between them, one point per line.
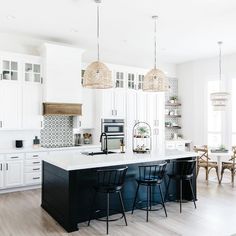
pixel 1 172
pixel 14 173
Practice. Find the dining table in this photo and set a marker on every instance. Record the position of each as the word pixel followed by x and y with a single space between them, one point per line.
pixel 219 157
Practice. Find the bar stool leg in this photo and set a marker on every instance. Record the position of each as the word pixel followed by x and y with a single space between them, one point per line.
pixel 92 208
pixel 122 205
pixel 150 196
pixel 148 200
pixel 135 199
pixel 107 210
pixel 180 194
pixel 167 189
pixel 162 200
pixel 191 186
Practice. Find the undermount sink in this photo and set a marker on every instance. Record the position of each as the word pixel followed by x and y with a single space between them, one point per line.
pixel 97 153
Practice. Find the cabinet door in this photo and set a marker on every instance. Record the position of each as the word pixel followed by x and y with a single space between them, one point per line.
pixel 141 106
pixel 1 175
pixel 14 173
pixel 119 103
pixel 131 117
pixel 108 103
pixel 10 115
pixel 87 118
pixel 32 106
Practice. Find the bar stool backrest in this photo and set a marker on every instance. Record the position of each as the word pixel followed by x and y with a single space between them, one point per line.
pixel 111 177
pixel 152 172
pixel 183 167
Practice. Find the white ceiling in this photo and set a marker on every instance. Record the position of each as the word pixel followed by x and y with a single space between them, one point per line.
pixel 187 29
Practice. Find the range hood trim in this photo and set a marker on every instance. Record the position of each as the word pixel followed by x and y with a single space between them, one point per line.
pixel 68 109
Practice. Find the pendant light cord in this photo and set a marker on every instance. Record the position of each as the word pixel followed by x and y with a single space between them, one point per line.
pixel 98 31
pixel 220 55
pixel 155 43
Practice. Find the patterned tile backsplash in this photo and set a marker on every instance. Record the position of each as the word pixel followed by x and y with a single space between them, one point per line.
pixel 57 131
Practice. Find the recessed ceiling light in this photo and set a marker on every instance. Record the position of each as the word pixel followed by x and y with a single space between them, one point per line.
pixel 74 30
pixel 10 17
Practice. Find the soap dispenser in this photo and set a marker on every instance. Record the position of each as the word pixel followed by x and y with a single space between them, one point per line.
pixel 36 142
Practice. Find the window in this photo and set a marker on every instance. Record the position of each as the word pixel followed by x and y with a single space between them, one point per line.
pixel 214 122
pixel 233 99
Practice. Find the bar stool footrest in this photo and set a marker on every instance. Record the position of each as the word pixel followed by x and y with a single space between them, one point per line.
pixel 111 210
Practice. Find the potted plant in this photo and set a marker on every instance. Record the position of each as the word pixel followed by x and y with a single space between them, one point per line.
pixel 143 131
pixel 173 99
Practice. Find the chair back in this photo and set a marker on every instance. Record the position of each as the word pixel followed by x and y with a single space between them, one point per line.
pixel 203 154
pixel 152 172
pixel 111 177
pixel 183 167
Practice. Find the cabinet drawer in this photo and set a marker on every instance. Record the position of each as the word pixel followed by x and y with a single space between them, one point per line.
pixel 36 168
pixel 33 155
pixel 32 178
pixel 14 157
pixel 1 157
pixel 170 146
pixel 33 162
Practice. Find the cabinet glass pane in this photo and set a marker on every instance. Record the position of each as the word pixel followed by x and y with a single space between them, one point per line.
pixel 37 78
pixel 28 67
pixel 36 68
pixel 6 65
pixel 14 75
pixel 14 65
pixel 6 75
pixel 27 77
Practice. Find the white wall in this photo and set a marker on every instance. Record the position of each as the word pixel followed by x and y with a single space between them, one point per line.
pixel 193 78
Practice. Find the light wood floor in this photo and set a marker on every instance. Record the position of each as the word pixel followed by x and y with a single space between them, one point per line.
pixel 21 215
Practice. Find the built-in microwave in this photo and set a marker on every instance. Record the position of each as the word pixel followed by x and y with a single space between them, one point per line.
pixel 113 126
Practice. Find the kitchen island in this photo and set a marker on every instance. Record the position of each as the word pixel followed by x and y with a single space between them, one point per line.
pixel 68 180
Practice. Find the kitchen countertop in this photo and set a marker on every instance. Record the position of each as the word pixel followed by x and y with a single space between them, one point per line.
pixel 77 161
pixel 42 149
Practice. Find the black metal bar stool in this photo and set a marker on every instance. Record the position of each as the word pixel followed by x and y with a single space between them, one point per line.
pixel 150 176
pixel 182 170
pixel 109 181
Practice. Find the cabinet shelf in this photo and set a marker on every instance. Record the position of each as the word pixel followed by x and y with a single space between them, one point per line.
pixel 173 127
pixel 173 104
pixel 173 116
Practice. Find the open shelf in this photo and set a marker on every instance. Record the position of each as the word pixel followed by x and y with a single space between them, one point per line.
pixel 173 116
pixel 173 127
pixel 173 104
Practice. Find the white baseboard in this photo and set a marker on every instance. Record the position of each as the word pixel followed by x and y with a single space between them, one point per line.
pixel 17 189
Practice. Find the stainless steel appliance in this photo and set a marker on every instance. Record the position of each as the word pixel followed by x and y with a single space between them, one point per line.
pixel 115 134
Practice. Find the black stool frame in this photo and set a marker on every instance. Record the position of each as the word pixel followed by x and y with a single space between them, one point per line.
pixel 150 176
pixel 182 170
pixel 109 181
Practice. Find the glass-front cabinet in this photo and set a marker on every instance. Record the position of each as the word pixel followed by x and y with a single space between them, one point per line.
pixel 32 72
pixel 10 70
pixel 131 81
pixel 119 79
pixel 140 82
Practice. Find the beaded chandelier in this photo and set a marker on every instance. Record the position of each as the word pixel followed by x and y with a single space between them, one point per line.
pixel 219 99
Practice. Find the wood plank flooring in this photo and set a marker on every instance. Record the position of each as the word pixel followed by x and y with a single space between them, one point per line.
pixel 21 215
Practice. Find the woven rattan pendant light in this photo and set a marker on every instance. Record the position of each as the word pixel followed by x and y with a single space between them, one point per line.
pixel 219 99
pixel 155 80
pixel 97 75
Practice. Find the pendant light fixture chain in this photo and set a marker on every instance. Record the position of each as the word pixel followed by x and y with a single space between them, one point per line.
pixel 98 28
pixel 220 55
pixel 155 40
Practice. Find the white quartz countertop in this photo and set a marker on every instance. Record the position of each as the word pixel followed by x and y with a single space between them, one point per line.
pixel 42 149
pixel 78 161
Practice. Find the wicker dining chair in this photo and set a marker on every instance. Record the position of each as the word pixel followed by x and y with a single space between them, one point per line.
pixel 203 161
pixel 230 165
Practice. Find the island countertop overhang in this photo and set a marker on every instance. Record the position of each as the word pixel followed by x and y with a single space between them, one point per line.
pixel 79 161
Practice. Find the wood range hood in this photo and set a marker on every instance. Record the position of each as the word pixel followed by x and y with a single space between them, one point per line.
pixel 68 109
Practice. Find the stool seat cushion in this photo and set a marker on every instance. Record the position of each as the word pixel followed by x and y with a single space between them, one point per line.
pixel 184 177
pixel 149 181
pixel 108 188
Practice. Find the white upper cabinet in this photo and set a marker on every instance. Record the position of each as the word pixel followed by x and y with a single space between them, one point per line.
pixel 119 107
pixel 10 94
pixel 62 73
pixel 141 105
